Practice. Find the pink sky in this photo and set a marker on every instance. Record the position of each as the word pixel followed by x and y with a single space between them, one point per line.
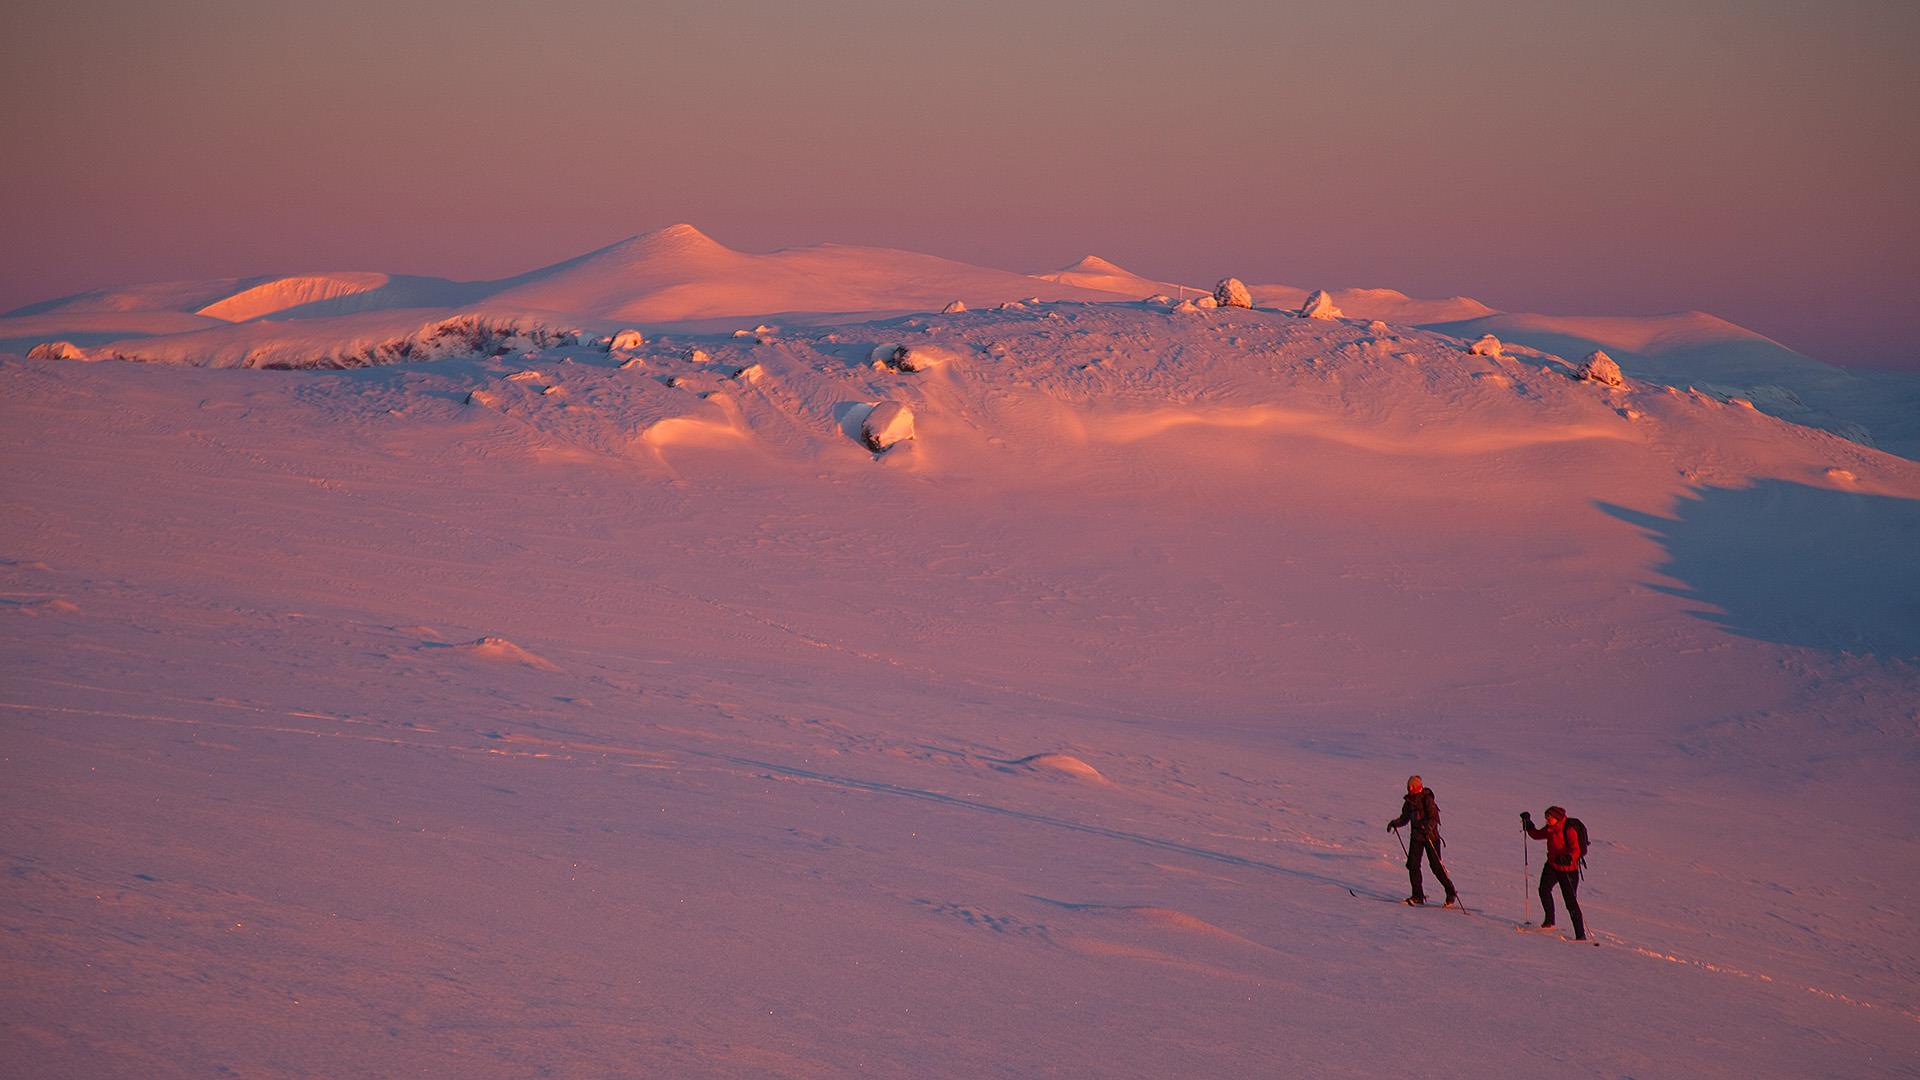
pixel 1755 160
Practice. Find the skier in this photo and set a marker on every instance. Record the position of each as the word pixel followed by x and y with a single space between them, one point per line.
pixel 1562 868
pixel 1423 814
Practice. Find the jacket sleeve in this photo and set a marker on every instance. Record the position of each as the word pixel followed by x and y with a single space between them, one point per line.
pixel 1537 834
pixel 1406 814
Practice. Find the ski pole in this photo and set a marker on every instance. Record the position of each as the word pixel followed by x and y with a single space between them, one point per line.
pixel 1526 871
pixel 1402 843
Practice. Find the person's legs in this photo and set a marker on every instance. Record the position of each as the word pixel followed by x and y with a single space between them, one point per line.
pixel 1546 894
pixel 1440 871
pixel 1569 887
pixel 1413 870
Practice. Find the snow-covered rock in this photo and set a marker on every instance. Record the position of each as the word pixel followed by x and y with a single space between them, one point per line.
pixel 888 423
pixel 1488 345
pixel 1319 306
pixel 1187 306
pixel 1600 368
pixel 916 357
pixel 955 308
pixel 1206 302
pixel 1232 292
pixel 1378 328
pixel 626 341
pixel 56 350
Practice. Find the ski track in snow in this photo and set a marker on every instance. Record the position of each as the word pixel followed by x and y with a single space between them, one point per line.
pixel 439 713
pixel 565 751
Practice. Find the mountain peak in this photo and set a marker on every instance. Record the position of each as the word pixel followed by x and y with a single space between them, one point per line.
pixel 680 237
pixel 1093 264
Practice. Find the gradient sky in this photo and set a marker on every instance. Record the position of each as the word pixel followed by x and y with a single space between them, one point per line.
pixel 1757 160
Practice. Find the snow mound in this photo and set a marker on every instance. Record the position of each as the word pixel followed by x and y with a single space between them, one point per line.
pixel 1188 306
pixel 1061 765
pixel 1319 306
pixel 1599 367
pixel 1488 345
pixel 1232 292
pixel 955 308
pixel 283 293
pixel 626 341
pixel 500 649
pixel 1206 302
pixel 888 424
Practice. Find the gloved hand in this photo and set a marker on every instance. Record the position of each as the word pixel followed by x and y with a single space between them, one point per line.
pixel 1390 826
pixel 1526 818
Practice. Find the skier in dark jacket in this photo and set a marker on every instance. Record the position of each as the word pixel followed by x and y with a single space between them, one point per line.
pixel 1562 868
pixel 1420 811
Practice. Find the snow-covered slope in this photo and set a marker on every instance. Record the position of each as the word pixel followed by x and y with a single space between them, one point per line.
pixel 557 711
pixel 680 274
pixel 1694 348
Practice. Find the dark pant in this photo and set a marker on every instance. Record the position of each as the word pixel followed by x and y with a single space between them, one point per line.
pixel 1569 882
pixel 1430 846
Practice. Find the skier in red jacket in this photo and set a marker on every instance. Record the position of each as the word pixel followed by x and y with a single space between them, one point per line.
pixel 1562 869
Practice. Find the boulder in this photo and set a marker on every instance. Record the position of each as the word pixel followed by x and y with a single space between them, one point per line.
pixel 1600 368
pixel 1206 302
pixel 1232 293
pixel 955 308
pixel 1488 345
pixel 626 341
pixel 887 424
pixel 1319 306
pixel 56 350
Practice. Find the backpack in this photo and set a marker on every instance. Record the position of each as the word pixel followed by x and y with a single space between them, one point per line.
pixel 1580 830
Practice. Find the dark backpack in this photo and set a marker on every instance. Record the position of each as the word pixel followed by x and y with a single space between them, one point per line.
pixel 1580 830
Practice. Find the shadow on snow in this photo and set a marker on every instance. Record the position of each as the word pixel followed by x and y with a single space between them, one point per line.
pixel 1796 565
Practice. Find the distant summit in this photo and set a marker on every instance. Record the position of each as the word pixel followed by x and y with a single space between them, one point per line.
pixel 1094 272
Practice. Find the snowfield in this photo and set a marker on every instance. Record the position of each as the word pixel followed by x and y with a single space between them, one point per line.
pixel 535 709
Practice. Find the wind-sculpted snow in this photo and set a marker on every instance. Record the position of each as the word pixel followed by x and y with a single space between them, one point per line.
pixel 347 342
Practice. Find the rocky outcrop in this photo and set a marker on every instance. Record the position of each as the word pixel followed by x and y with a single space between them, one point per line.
pixel 1600 368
